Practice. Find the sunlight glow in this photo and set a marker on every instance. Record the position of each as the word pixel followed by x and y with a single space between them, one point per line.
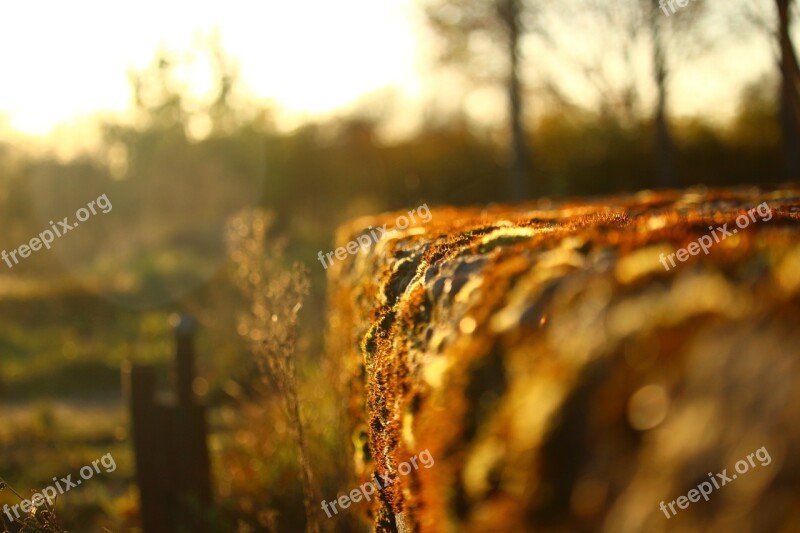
pixel 61 61
pixel 64 62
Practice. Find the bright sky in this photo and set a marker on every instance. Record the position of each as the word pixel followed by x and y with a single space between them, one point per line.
pixel 60 61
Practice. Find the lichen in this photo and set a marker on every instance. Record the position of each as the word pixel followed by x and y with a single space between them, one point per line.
pixel 509 341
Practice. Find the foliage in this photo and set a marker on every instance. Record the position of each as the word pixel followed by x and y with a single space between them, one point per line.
pixel 41 519
pixel 275 296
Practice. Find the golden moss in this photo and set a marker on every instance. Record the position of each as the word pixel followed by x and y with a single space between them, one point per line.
pixel 515 343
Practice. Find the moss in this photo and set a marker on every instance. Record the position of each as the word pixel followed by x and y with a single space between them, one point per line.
pixel 499 339
pixel 501 241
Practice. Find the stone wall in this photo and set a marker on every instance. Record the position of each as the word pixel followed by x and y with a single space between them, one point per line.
pixel 562 379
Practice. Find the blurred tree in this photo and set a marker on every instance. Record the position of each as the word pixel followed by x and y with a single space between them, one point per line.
pixel 465 25
pixel 221 111
pixel 755 125
pixel 775 20
pixel 671 38
pixel 157 95
pixel 618 96
pixel 665 145
pixel 789 91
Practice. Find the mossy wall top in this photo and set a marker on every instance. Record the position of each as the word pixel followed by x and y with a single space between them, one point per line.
pixel 561 377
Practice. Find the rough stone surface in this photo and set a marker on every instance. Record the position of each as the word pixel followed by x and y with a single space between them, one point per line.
pixel 562 379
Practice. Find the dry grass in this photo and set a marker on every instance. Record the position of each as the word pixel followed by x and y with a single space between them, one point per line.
pixel 41 519
pixel 275 296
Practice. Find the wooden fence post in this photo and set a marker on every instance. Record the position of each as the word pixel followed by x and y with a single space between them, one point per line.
pixel 169 443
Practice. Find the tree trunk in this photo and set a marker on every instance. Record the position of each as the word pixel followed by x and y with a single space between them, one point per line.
pixel 519 168
pixel 665 147
pixel 789 98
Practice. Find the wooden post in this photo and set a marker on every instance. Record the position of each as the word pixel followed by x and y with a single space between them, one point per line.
pixel 169 442
pixel 193 477
pixel 149 429
pixel 185 328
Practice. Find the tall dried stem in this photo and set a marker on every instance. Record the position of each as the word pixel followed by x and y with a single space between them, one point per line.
pixel 275 295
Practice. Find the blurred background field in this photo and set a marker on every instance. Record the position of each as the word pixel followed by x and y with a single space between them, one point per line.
pixel 195 144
